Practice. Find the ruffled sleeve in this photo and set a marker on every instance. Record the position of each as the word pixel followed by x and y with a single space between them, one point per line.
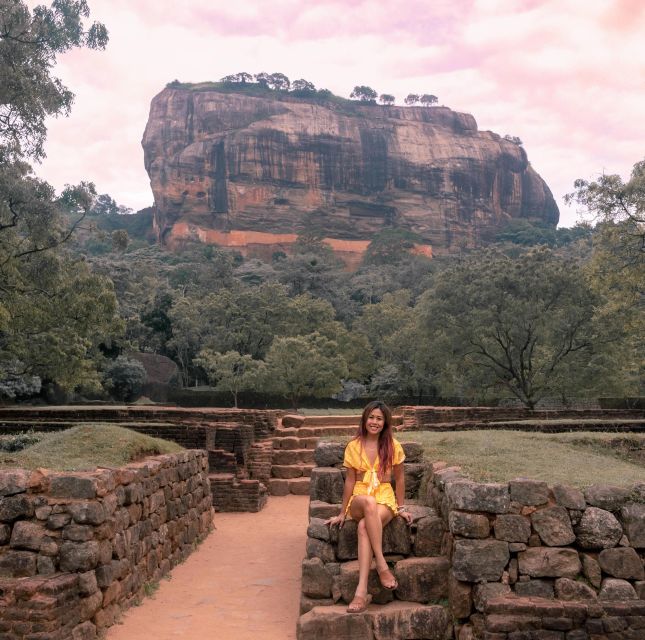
pixel 399 454
pixel 352 459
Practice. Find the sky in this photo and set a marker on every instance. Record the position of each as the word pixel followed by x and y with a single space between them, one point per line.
pixel 565 76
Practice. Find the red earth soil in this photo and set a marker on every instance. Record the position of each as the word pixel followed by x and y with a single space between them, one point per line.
pixel 242 583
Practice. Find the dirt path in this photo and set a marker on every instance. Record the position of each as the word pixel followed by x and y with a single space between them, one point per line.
pixel 243 582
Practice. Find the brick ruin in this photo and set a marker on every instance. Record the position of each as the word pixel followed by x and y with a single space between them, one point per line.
pixel 78 548
pixel 505 561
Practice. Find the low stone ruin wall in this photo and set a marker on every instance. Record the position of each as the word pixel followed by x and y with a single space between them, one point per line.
pixel 510 561
pixel 77 548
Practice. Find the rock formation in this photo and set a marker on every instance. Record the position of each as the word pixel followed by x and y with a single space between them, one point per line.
pixel 253 170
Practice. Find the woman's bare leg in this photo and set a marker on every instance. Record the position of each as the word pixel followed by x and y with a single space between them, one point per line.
pixel 371 517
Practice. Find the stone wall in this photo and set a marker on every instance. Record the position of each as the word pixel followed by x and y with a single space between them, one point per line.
pixel 77 548
pixel 510 561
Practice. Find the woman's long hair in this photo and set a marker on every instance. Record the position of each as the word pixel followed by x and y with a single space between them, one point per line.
pixel 385 441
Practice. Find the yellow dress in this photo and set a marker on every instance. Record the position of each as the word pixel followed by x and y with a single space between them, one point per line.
pixel 370 485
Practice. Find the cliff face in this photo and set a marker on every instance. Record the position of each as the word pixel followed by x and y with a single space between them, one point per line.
pixel 222 162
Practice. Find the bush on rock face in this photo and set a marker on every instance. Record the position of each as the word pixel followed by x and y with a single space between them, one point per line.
pixel 124 378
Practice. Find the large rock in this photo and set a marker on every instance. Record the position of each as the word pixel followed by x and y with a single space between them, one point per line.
pixel 323 510
pixel 622 562
pixel 633 517
pixel 512 528
pixel 617 589
pixel 536 588
pixel 79 556
pixel 348 581
pixel 591 570
pixel 27 535
pixel 483 592
pixel 468 525
pixel 326 484
pixel 568 589
pixel 396 539
pixel 529 492
pixel 413 451
pixel 316 580
pixel 318 529
pixel 549 562
pixel 479 560
pixel 569 497
pixel 413 476
pixel 598 529
pixel 16 506
pixel 228 167
pixel 422 579
pixel 429 536
pixel 477 496
pixel 606 497
pixel 553 525
pixel 18 564
pixel 329 454
pixel 318 549
pixel 13 481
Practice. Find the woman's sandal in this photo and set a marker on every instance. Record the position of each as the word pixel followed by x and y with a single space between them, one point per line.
pixel 385 575
pixel 359 604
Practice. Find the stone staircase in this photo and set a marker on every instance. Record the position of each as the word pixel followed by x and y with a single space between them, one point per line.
pixel 294 442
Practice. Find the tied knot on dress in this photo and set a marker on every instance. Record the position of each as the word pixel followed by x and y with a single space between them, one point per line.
pixel 371 480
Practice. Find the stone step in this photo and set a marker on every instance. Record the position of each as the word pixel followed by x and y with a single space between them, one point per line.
pixel 315 432
pixel 294 442
pixel 285 486
pixel 293 456
pixel 325 421
pixel 287 471
pixel 393 621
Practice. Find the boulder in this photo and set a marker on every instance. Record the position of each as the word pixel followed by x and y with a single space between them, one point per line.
pixel 549 562
pixel 598 529
pixel 617 589
pixel 529 492
pixel 319 549
pixel 73 486
pixel 606 497
pixel 553 526
pixel 568 589
pixel 476 496
pixel 569 497
pixel 468 525
pixel 512 528
pixel 326 484
pixel 16 506
pixel 329 454
pixel 479 560
pixel 622 563
pixel 632 515
pixel 422 579
pixel 13 481
pixel 319 530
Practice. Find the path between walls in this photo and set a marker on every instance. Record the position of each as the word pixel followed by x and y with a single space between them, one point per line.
pixel 242 583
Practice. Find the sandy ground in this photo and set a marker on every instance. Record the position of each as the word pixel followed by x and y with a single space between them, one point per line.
pixel 243 582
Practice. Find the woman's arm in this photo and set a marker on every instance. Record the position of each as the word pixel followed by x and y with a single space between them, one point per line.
pixel 399 479
pixel 348 489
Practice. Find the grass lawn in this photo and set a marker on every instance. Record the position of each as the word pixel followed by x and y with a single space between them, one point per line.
pixel 330 412
pixel 579 459
pixel 86 447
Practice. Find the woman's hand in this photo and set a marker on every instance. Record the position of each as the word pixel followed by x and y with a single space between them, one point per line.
pixel 407 516
pixel 336 520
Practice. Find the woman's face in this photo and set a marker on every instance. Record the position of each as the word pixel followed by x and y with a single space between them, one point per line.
pixel 375 422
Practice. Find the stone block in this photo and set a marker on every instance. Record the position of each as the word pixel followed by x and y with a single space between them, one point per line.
pixel 606 497
pixel 476 496
pixel 430 531
pixel 5 534
pixel 87 584
pixel 299 486
pixel 598 529
pixel 553 526
pixel 632 515
pixel 78 532
pixel 18 564
pixel 79 556
pixel 348 581
pixel 286 472
pixel 568 589
pixel 293 421
pixel 318 529
pixel 468 525
pixel 326 484
pixel 622 563
pixel 329 454
pixel 319 549
pixel 483 592
pixel 591 570
pixel 413 451
pixel 512 528
pixel 307 604
pixel 278 487
pixel 413 476
pixel 27 535
pixel 88 512
pixel 569 497
pixel 316 580
pixel 529 492
pixel 333 622
pixel 549 562
pixel 396 537
pixel 348 541
pixel 479 560
pixel 617 589
pixel 16 506
pixel 72 486
pixel 422 579
pixel 460 597
pixel 537 588
pixel 14 481
pixel 84 631
pixel 323 510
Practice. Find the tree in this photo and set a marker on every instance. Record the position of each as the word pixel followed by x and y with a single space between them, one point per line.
pixel 262 79
pixel 513 139
pixel 411 98
pixel 390 246
pixel 514 324
pixel 305 366
pixel 279 82
pixel 124 378
pixel 230 371
pixel 427 99
pixel 303 87
pixel 364 94
pixel 386 99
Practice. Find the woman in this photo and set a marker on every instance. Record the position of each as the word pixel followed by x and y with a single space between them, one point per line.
pixel 371 458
